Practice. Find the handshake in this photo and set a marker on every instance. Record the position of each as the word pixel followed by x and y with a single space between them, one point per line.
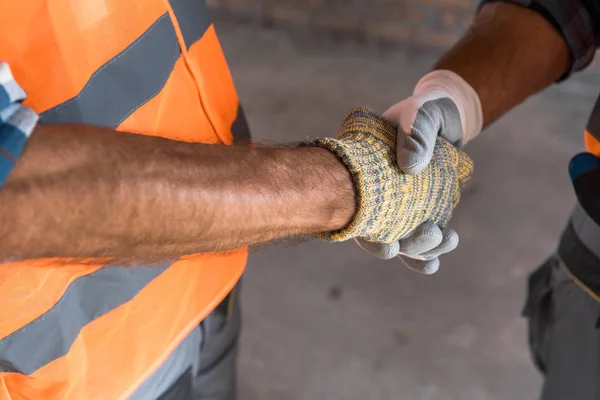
pixel 407 176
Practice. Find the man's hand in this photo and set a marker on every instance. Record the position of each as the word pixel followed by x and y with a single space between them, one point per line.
pixel 443 105
pixel 391 203
pixel 509 53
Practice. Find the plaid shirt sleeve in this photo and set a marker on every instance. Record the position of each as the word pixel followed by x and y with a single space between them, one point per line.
pixel 576 20
pixel 16 122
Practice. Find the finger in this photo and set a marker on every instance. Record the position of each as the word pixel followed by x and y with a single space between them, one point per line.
pixel 417 131
pixel 424 238
pixel 426 267
pixel 449 243
pixel 380 250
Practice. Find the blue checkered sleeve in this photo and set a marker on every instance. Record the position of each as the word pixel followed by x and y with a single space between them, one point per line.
pixel 578 22
pixel 16 122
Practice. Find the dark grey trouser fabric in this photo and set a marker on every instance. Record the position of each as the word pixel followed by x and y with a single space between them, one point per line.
pixel 563 333
pixel 216 378
pixel 215 375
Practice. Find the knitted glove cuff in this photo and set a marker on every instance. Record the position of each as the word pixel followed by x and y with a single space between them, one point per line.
pixel 371 161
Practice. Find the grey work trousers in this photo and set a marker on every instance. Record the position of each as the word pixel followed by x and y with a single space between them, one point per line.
pixel 563 333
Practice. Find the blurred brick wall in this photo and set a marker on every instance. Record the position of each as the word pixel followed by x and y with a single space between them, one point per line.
pixel 436 23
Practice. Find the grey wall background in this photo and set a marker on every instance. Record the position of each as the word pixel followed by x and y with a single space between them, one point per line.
pixel 431 23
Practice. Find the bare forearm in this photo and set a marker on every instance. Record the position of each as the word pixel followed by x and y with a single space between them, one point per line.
pixel 82 191
pixel 508 54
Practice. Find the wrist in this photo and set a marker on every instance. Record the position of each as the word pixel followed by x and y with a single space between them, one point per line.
pixel 365 147
pixel 342 197
pixel 326 187
pixel 449 84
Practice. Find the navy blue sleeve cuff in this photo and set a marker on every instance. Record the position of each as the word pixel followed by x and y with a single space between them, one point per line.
pixel 16 122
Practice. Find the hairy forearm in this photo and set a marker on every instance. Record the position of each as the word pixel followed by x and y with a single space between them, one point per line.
pixel 81 192
pixel 508 54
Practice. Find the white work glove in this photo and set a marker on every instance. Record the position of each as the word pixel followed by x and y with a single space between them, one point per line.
pixel 443 104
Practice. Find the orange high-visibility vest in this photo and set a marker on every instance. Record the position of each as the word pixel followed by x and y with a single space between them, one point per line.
pixel 152 67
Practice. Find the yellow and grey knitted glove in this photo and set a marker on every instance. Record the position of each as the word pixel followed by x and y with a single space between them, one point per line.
pixel 391 204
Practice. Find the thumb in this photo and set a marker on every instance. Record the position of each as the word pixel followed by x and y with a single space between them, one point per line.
pixel 417 132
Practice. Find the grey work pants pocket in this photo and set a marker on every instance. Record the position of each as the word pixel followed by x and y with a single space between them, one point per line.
pixel 539 310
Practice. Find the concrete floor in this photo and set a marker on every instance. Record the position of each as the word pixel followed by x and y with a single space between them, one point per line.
pixel 326 321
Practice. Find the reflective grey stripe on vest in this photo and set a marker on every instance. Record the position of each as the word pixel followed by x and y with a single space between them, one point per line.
pixel 138 74
pixel 89 297
pixel 135 75
pixel 586 230
pixel 125 83
pixel 185 356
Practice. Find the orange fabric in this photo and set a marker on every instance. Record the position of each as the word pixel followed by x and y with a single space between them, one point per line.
pixel 122 348
pixel 54 46
pixel 592 144
pixel 207 66
pixel 215 83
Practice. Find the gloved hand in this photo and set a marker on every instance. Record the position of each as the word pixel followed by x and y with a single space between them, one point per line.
pixel 442 104
pixel 391 203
